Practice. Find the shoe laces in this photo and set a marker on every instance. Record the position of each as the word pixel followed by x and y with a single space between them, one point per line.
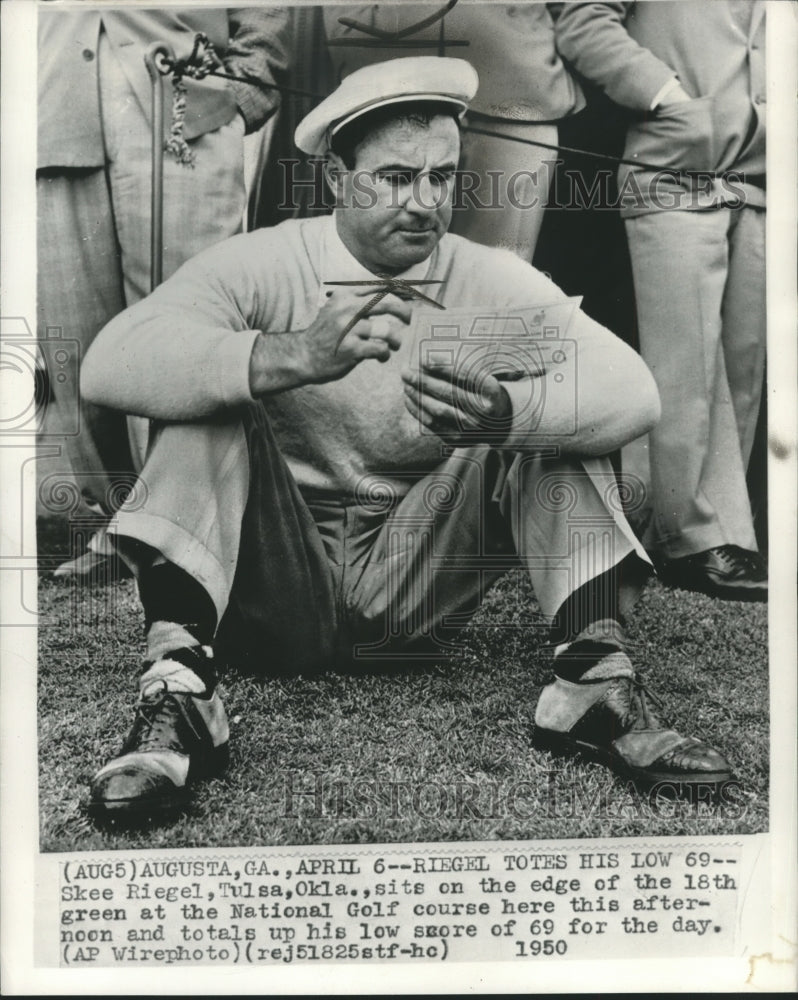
pixel 639 697
pixel 158 715
pixel 737 558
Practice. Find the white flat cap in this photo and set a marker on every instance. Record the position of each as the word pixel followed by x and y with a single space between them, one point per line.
pixel 415 78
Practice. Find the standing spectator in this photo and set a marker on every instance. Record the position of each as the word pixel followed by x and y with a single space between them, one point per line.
pixel 694 74
pixel 287 184
pixel 93 182
pixel 524 90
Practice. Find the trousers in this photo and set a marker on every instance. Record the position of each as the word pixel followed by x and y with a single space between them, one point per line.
pixel 94 255
pixel 302 581
pixel 513 179
pixel 699 281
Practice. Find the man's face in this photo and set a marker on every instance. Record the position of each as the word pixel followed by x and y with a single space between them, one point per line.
pixel 396 203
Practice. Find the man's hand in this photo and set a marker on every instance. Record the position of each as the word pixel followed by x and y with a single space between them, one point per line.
pixel 330 352
pixel 327 350
pixel 458 410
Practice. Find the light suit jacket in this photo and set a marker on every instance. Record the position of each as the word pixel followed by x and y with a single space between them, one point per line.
pixel 717 50
pixel 252 41
pixel 511 46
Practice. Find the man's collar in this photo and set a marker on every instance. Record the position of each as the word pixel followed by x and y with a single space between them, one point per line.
pixel 338 264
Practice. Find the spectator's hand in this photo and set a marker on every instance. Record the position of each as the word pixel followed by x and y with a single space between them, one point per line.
pixel 327 352
pixel 675 95
pixel 458 411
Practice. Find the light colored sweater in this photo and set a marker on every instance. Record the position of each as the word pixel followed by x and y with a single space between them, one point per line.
pixel 183 353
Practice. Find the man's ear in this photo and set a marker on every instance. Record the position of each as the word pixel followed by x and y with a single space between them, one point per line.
pixel 334 171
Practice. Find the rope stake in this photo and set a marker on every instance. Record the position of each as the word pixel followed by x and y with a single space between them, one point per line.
pixel 202 61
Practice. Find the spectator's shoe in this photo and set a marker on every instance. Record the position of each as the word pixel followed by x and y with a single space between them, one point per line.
pixel 727 571
pixel 92 567
pixel 83 567
pixel 180 734
pixel 606 717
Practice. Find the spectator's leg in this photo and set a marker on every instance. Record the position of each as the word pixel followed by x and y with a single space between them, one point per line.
pixel 79 291
pixel 202 204
pixel 744 321
pixel 515 196
pixel 680 265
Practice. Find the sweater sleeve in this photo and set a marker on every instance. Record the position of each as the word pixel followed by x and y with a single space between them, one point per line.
pixel 586 391
pixel 593 38
pixel 183 352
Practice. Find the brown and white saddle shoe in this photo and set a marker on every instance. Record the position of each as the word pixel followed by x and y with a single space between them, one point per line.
pixel 606 716
pixel 180 734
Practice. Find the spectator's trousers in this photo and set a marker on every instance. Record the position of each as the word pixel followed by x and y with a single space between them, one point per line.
pixel 700 289
pixel 94 255
pixel 303 581
pixel 505 208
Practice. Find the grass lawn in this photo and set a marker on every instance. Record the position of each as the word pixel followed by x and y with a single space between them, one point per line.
pixel 426 753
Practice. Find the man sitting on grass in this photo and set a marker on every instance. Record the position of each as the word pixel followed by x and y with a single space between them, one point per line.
pixel 310 499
